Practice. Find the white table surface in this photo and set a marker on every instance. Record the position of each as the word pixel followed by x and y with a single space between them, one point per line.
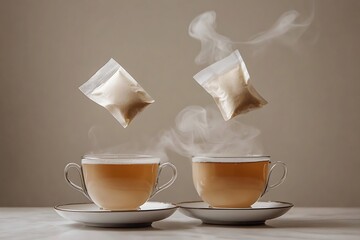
pixel 298 223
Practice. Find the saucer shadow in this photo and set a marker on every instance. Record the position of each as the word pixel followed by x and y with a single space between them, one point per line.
pixel 252 226
pixel 290 223
pixel 83 227
pixel 175 225
pixel 155 226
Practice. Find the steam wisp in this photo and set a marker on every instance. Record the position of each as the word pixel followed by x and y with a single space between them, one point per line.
pixel 202 131
pixel 214 46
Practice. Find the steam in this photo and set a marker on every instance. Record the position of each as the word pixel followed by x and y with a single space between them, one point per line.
pixel 198 131
pixel 202 131
pixel 214 46
pixel 285 29
pixel 92 136
pixel 140 145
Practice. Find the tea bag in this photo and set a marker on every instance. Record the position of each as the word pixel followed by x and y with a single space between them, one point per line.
pixel 228 82
pixel 116 90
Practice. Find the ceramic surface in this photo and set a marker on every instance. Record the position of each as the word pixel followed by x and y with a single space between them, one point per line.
pixel 92 215
pixel 257 214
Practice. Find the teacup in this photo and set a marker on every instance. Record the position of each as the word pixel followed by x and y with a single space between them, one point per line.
pixel 233 182
pixel 119 182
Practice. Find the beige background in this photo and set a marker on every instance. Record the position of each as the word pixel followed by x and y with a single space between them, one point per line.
pixel 49 48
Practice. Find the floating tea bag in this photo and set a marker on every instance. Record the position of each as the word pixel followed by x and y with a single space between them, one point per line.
pixel 228 82
pixel 116 90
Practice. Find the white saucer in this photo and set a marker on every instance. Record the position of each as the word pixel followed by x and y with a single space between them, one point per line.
pixel 257 214
pixel 91 215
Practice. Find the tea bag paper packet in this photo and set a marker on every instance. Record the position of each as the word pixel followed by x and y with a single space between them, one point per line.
pixel 228 82
pixel 116 90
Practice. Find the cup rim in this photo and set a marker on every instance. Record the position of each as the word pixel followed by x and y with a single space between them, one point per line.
pixel 232 159
pixel 110 158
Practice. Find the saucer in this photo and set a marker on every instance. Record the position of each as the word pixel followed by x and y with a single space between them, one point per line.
pixel 91 215
pixel 257 214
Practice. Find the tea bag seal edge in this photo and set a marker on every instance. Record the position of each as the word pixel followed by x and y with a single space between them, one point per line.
pixel 102 75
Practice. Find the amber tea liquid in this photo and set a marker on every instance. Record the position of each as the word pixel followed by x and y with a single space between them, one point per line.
pixel 120 186
pixel 230 184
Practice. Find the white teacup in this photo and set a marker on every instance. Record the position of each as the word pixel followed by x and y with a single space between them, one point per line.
pixel 233 182
pixel 119 182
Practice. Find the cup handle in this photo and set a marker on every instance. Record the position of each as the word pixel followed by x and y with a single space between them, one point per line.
pixel 282 179
pixel 81 189
pixel 171 181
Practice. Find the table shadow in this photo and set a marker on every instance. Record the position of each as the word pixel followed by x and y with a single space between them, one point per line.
pixel 290 223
